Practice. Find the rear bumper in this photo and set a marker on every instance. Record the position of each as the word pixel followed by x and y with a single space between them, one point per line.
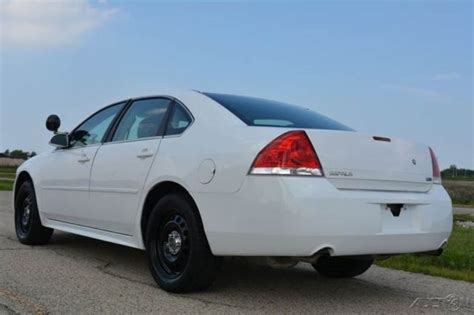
pixel 289 216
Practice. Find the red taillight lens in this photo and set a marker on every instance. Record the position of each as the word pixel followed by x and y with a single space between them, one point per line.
pixel 436 171
pixel 289 154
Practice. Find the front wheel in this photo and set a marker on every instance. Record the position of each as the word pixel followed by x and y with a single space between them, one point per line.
pixel 342 267
pixel 28 226
pixel 179 256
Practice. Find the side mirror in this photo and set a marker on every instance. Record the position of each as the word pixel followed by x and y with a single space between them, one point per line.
pixel 60 140
pixel 52 123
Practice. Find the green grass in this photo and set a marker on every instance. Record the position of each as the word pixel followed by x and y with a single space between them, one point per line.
pixel 463 203
pixel 459 178
pixel 7 172
pixel 7 175
pixel 6 185
pixel 456 262
pixel 8 169
pixel 460 191
pixel 463 217
pixel 469 205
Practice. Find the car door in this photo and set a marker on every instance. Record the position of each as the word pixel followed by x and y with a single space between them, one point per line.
pixel 122 164
pixel 65 184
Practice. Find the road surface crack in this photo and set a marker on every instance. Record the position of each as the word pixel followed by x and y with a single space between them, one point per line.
pixel 104 269
pixel 35 308
pixel 207 302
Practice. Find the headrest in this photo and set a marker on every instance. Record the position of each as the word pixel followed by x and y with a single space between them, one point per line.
pixel 148 127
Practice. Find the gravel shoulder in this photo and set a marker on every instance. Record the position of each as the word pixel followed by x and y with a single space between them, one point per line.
pixel 466 210
pixel 74 274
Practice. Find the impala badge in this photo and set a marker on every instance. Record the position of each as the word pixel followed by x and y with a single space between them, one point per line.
pixel 341 173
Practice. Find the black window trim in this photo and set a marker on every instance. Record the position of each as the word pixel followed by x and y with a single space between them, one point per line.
pixel 168 117
pixel 125 104
pixel 108 136
pixel 161 130
pixel 116 121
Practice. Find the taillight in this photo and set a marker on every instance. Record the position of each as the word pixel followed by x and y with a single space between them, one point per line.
pixel 290 154
pixel 436 171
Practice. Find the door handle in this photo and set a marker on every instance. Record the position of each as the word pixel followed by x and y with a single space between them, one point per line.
pixel 83 159
pixel 145 153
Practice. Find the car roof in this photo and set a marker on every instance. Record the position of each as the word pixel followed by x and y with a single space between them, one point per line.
pixel 169 92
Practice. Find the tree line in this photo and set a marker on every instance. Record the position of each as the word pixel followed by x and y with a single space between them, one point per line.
pixel 18 154
pixel 453 172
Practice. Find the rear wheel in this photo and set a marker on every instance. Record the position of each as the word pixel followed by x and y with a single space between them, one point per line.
pixel 179 256
pixel 342 267
pixel 28 226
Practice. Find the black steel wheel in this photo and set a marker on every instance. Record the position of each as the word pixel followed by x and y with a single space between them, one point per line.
pixel 173 244
pixel 27 221
pixel 25 215
pixel 179 256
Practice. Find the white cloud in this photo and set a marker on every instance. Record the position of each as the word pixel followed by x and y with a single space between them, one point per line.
pixel 48 23
pixel 446 76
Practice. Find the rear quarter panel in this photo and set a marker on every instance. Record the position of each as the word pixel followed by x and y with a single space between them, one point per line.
pixel 217 135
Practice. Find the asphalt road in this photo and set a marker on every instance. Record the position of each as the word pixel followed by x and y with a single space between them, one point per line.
pixel 78 275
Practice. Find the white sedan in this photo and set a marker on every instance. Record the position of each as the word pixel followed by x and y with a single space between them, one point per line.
pixel 191 177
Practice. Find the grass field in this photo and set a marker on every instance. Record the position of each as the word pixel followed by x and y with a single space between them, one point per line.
pixel 6 185
pixel 8 169
pixel 7 175
pixel 469 205
pixel 461 191
pixel 456 262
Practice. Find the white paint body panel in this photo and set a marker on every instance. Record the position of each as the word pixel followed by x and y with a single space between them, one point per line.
pixel 293 216
pixel 117 180
pixel 249 214
pixel 63 183
pixel 397 165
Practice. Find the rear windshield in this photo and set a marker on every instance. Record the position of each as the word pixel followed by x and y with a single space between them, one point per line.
pixel 260 112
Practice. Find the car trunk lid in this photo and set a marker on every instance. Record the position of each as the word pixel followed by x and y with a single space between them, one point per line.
pixel 353 160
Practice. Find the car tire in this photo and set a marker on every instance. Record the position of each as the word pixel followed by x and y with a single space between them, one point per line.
pixel 342 267
pixel 28 227
pixel 179 256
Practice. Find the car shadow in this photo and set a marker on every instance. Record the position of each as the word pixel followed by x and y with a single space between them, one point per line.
pixel 240 283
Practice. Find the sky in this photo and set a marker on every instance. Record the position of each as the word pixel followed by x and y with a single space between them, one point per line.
pixel 388 68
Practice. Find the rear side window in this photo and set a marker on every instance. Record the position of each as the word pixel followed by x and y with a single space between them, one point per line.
pixel 261 112
pixel 179 121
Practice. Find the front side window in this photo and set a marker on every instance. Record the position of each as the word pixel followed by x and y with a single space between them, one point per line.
pixel 178 122
pixel 93 130
pixel 261 112
pixel 142 120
